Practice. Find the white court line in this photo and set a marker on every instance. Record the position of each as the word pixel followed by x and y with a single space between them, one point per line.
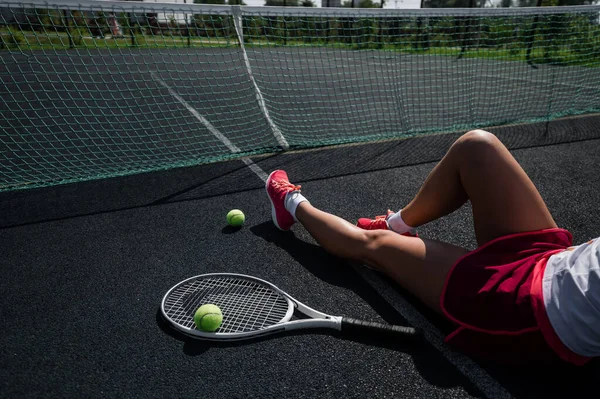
pixel 232 147
pixel 237 23
pixel 471 370
pixel 256 169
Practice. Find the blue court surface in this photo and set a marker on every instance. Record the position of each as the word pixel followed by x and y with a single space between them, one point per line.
pixel 85 265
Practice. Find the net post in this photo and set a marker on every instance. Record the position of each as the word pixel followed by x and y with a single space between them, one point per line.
pixel 466 32
pixel 236 12
pixel 66 15
pixel 131 24
pixel 532 37
pixel 380 28
pixel 187 26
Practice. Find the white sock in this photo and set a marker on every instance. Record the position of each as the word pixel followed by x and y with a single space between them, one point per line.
pixel 398 225
pixel 291 202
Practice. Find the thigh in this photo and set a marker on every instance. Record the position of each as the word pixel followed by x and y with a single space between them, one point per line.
pixel 417 264
pixel 504 199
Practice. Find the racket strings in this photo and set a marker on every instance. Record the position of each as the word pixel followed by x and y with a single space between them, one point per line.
pixel 246 305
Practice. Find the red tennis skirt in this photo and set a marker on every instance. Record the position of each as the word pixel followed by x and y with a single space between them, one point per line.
pixel 494 295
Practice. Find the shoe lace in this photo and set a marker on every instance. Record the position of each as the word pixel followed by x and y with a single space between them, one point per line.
pixel 383 216
pixel 285 185
pixel 377 221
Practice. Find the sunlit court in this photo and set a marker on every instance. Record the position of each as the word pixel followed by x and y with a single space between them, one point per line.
pixel 138 148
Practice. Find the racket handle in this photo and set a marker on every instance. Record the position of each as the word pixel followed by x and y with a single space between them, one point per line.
pixel 361 327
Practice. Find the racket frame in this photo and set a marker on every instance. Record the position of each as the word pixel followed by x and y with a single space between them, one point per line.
pixel 317 319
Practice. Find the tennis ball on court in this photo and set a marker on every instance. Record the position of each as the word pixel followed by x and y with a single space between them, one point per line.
pixel 208 317
pixel 236 218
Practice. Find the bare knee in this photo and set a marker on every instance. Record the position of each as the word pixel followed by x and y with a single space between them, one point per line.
pixel 477 138
pixel 477 146
pixel 373 241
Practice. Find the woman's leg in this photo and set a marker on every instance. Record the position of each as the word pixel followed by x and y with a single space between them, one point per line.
pixel 419 265
pixel 479 168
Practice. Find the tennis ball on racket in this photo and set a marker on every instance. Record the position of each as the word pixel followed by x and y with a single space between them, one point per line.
pixel 208 317
pixel 236 218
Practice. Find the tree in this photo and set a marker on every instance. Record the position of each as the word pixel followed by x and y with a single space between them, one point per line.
pixel 280 3
pixel 307 3
pixel 211 25
pixel 361 4
pixel 452 3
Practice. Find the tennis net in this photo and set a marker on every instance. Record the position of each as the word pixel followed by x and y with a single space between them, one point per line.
pixel 95 89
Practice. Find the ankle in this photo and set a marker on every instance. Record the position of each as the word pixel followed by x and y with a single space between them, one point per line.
pixel 397 224
pixel 291 202
pixel 301 211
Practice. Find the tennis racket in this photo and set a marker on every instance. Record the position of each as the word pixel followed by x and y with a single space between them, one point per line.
pixel 253 307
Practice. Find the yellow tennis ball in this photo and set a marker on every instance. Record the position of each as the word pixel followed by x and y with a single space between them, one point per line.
pixel 236 218
pixel 208 317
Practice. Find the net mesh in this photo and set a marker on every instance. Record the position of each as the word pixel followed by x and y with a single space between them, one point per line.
pixel 246 304
pixel 93 89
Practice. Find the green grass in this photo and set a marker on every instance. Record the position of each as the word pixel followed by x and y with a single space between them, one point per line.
pixel 13 39
pixel 560 56
pixel 28 40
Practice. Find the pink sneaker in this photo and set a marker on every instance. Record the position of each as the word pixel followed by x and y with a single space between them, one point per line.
pixel 380 223
pixel 277 186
